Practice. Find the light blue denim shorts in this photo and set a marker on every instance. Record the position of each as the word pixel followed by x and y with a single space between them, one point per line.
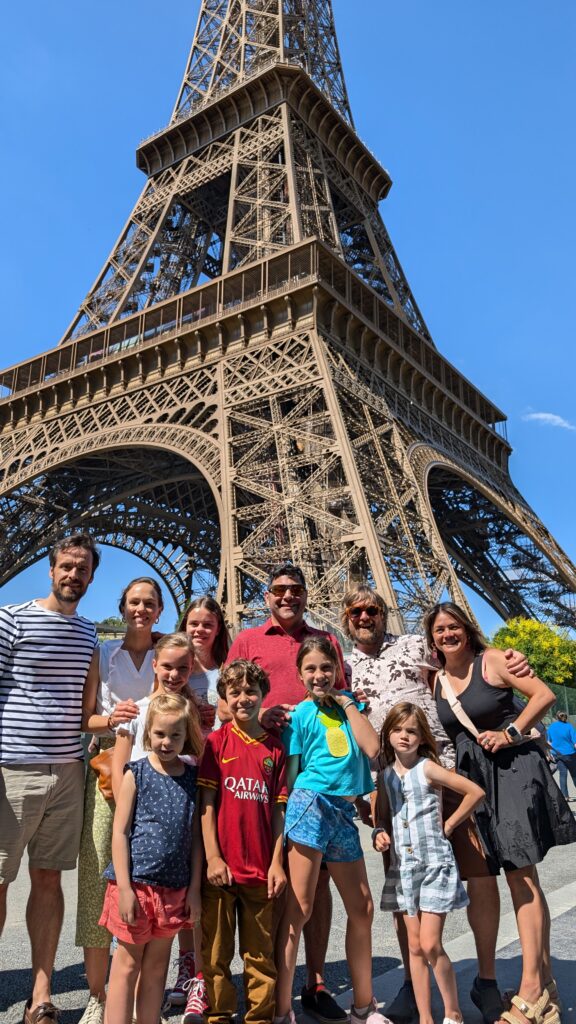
pixel 325 823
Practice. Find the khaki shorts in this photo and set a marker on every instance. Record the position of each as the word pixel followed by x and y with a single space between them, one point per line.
pixel 41 807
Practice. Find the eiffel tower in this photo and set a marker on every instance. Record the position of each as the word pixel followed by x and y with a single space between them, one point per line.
pixel 250 378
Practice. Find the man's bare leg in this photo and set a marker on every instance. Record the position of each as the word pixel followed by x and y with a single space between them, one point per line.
pixel 44 916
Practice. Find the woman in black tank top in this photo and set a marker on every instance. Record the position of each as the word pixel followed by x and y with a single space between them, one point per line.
pixel 524 813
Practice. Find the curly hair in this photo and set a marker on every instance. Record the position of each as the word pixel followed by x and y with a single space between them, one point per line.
pixel 240 670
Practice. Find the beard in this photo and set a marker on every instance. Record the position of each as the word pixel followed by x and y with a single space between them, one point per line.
pixel 67 594
pixel 372 633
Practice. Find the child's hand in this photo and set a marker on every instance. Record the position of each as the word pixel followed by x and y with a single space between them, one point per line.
pixel 381 841
pixel 207 714
pixel 218 872
pixel 193 905
pixel 128 905
pixel 276 880
pixel 364 809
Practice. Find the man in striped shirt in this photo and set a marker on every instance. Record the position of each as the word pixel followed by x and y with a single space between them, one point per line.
pixel 47 652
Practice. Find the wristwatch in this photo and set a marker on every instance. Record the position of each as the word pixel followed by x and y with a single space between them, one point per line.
pixel 513 732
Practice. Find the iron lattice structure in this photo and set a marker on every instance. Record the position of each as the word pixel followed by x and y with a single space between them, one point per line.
pixel 250 378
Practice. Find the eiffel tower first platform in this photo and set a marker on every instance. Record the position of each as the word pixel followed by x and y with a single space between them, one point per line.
pixel 250 379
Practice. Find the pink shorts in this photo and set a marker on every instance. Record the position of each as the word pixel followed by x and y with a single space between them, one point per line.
pixel 160 915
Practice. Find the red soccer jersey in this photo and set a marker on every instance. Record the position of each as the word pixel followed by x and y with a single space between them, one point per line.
pixel 249 777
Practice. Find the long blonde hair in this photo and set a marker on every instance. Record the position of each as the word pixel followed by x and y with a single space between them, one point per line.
pixel 175 704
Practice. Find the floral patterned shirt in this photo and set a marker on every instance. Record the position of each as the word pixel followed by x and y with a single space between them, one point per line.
pixel 399 672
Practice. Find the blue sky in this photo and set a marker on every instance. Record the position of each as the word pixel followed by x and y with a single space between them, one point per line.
pixel 468 106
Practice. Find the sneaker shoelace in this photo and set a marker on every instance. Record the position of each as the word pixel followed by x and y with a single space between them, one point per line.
pixel 185 964
pixel 196 1002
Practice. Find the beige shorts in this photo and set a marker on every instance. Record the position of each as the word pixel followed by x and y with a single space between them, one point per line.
pixel 41 807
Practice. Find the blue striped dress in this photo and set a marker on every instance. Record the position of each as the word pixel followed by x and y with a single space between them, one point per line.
pixel 422 873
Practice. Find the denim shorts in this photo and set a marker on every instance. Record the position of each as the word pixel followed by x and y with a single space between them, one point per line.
pixel 325 823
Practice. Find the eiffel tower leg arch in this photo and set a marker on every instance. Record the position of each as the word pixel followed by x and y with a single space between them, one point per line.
pixel 152 489
pixel 495 542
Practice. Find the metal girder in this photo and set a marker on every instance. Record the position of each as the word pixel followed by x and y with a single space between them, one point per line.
pixel 295 407
pixel 494 556
pixel 235 39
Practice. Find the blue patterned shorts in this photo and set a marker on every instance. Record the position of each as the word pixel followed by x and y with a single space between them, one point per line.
pixel 323 822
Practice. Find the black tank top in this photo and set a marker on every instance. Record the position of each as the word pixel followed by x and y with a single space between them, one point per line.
pixel 489 707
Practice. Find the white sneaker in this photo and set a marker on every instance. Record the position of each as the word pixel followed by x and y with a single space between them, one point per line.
pixel 290 1018
pixel 373 1015
pixel 450 1020
pixel 94 1012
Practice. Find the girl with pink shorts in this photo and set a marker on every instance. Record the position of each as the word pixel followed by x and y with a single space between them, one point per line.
pixel 154 879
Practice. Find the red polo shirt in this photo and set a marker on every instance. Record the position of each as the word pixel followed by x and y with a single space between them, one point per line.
pixel 276 651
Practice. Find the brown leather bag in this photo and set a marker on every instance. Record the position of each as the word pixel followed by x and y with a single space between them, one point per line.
pixel 102 765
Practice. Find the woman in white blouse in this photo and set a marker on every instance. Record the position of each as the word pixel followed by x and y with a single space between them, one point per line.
pixel 126 677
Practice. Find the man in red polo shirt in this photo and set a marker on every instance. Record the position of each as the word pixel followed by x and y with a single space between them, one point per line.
pixel 274 646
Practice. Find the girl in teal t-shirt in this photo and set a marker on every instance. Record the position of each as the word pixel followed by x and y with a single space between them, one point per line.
pixel 328 742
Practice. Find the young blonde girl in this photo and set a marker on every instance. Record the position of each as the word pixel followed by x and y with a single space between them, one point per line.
pixel 328 742
pixel 154 879
pixel 422 880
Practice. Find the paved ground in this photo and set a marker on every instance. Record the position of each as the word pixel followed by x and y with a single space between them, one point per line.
pixel 557 873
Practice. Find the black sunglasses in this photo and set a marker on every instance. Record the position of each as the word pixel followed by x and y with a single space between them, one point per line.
pixel 355 613
pixel 279 589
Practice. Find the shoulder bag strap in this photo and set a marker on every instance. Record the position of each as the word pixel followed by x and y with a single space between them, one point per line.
pixel 456 705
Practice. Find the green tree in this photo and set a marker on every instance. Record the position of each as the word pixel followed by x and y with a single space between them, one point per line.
pixel 552 656
pixel 112 622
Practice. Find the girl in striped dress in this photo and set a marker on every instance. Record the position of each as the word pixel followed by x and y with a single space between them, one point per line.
pixel 422 880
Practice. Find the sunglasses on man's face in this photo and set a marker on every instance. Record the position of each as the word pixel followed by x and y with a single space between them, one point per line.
pixel 279 589
pixel 355 613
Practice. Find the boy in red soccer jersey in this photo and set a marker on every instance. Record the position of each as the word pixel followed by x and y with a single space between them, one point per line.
pixel 242 777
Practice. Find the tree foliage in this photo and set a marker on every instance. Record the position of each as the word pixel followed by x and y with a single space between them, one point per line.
pixel 112 622
pixel 552 656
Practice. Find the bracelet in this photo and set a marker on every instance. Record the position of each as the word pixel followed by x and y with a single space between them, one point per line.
pixel 507 735
pixel 348 704
pixel 109 724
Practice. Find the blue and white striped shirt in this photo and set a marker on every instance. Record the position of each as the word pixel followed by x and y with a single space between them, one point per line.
pixel 44 660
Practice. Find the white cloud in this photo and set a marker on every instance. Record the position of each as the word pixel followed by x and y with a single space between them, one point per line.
pixel 549 419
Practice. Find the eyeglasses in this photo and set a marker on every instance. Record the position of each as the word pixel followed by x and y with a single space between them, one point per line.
pixel 354 613
pixel 279 589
